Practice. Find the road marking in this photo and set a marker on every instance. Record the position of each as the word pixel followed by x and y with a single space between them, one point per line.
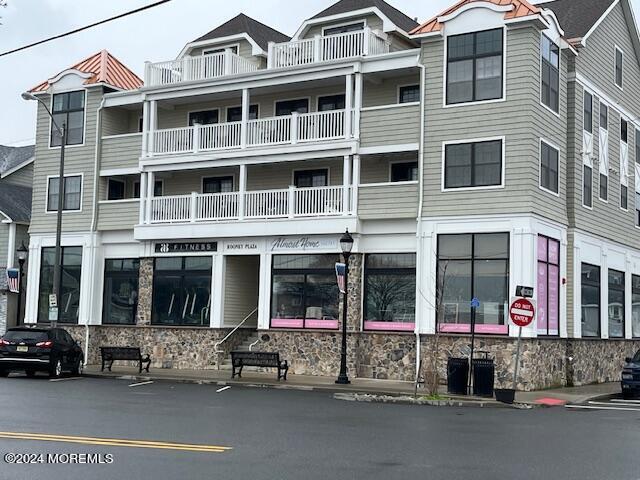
pixel 115 442
pixel 595 407
pixel 223 389
pixel 618 400
pixel 617 404
pixel 64 379
pixel 141 383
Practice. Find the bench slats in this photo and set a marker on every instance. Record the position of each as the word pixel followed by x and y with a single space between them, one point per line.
pixel 241 359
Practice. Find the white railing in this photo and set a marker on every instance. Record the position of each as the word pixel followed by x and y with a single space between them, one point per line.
pixel 203 67
pixel 269 131
pixel 219 136
pixel 321 125
pixel 326 48
pixel 174 140
pixel 290 202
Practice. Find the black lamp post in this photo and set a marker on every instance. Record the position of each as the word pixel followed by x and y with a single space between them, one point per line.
pixel 346 243
pixel 22 256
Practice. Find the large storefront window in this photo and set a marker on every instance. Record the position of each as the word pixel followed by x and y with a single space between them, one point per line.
pixel 635 306
pixel 182 291
pixel 69 288
pixel 548 286
pixel 473 266
pixel 616 304
pixel 590 289
pixel 120 291
pixel 390 292
pixel 304 291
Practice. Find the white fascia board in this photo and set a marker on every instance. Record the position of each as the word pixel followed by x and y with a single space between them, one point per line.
pixel 117 172
pixel 6 219
pixel 18 167
pixel 633 26
pixel 584 39
pixel 470 6
pixel 255 48
pixel 535 19
pixel 122 99
pixel 387 24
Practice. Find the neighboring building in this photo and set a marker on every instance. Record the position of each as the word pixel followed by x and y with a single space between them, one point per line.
pixel 490 147
pixel 16 178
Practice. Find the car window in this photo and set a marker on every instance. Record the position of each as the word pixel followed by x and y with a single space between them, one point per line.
pixel 67 338
pixel 25 336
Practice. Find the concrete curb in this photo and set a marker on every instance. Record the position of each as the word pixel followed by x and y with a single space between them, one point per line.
pixel 446 402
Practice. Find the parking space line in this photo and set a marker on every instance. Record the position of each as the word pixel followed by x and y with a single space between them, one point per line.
pixel 617 404
pixel 223 389
pixel 596 407
pixel 141 384
pixel 64 379
pixel 619 400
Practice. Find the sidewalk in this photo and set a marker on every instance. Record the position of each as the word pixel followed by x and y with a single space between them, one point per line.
pixel 557 396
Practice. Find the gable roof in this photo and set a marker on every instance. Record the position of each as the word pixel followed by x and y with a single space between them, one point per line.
pixel 576 17
pixel 102 68
pixel 262 34
pixel 15 203
pixel 519 8
pixel 403 21
pixel 12 157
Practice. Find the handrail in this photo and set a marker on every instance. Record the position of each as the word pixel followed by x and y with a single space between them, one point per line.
pixel 217 344
pixel 254 344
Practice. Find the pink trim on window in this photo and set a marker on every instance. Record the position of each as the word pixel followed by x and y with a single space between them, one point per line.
pixel 390 326
pixel 466 328
pixel 287 322
pixel 327 324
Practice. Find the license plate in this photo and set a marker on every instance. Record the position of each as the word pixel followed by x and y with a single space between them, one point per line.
pixel 22 349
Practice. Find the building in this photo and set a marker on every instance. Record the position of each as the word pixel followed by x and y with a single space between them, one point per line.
pixel 16 178
pixel 495 145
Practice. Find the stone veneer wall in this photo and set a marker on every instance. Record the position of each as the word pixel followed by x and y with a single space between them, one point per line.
pixel 145 291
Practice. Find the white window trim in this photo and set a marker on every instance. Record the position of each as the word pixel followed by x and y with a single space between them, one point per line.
pixel 617 49
pixel 306 169
pixel 84 127
pixel 328 95
pixel 216 109
pixel 275 103
pixel 393 162
pixel 46 198
pixel 344 24
pixel 219 175
pixel 408 85
pixel 557 114
pixel 478 102
pixel 123 182
pixel 207 51
pixel 555 147
pixel 473 140
pixel 227 108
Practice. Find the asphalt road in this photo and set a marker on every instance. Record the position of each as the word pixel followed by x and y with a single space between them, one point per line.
pixel 284 434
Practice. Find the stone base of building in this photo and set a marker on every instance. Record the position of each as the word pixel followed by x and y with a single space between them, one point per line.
pixel 3 312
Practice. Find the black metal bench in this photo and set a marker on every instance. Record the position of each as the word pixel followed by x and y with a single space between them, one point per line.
pixel 241 359
pixel 110 354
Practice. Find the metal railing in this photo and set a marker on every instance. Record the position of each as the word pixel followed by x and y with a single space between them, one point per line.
pixel 216 346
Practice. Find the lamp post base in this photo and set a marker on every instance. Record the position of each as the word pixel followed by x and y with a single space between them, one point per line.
pixel 343 380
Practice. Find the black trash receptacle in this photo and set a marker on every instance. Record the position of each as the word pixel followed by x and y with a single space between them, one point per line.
pixel 457 375
pixel 483 372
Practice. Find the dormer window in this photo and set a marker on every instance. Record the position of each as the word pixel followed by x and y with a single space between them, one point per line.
pixel 211 51
pixel 68 109
pixel 350 27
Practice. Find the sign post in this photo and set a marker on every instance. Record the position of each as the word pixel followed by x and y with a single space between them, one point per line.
pixel 475 303
pixel 522 312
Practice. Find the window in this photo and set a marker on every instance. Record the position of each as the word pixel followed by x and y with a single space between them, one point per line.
pixel 72 193
pixel 157 189
pixel 473 266
pixel 311 178
pixel 217 184
pixel 474 66
pixel 331 102
pixel 604 116
pixel 590 290
pixel 120 291
pixel 69 288
pixel 473 164
pixel 550 73
pixel 304 291
pixel 352 27
pixel 637 209
pixel 548 288
pixel 287 107
pixel 390 291
pixel 404 172
pixel 205 117
pixel 211 51
pixel 635 306
pixel 409 94
pixel 624 130
pixel 587 186
pixel 604 187
pixel 619 67
pixel 140 124
pixel 624 193
pixel 181 291
pixel 115 189
pixel 638 147
pixel 548 167
pixel 234 114
pixel 616 304
pixel 68 109
pixel 588 112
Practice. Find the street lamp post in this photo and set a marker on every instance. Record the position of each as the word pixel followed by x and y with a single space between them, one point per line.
pixel 22 256
pixel 57 268
pixel 346 243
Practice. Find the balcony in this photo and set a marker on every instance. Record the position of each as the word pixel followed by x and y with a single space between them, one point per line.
pixel 289 129
pixel 326 48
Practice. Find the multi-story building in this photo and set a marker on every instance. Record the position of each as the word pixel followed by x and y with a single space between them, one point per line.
pixel 490 147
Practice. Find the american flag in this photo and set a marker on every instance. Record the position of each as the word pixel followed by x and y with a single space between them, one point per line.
pixel 340 269
pixel 13 280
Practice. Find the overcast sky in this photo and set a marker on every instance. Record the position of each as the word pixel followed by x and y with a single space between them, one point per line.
pixel 156 34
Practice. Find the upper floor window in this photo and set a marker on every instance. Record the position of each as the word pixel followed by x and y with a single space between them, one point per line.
pixel 604 116
pixel 234 114
pixel 474 66
pixel 624 130
pixel 72 193
pixel 619 63
pixel 477 164
pixel 311 178
pixel 115 189
pixel 287 107
pixel 638 147
pixel 351 27
pixel 68 109
pixel 204 117
pixel 588 112
pixel 550 73
pixel 331 102
pixel 404 172
pixel 217 184
pixel 158 187
pixel 409 94
pixel 548 167
pixel 210 51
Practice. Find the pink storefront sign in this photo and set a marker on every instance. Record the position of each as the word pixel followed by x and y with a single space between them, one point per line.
pixel 326 324
pixel 466 328
pixel 287 322
pixel 541 312
pixel 390 326
pixel 553 299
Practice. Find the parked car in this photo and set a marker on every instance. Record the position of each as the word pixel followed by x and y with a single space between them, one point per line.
pixel 32 350
pixel 631 376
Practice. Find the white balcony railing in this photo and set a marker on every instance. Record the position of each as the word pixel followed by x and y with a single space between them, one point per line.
pixel 289 129
pixel 291 202
pixel 326 48
pixel 203 67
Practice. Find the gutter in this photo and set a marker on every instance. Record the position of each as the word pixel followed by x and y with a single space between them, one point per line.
pixel 96 165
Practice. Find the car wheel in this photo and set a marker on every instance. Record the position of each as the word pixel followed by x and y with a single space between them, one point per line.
pixel 56 370
pixel 4 373
pixel 78 367
pixel 30 373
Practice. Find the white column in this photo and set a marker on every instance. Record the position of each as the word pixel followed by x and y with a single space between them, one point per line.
pixel 150 190
pixel 346 181
pixel 217 295
pixel 33 282
pixel 242 191
pixel 357 104
pixel 143 195
pixel 348 104
pixel 355 183
pixel 577 290
pixel 228 59
pixel 628 307
pixel 270 57
pixel 244 128
pixel 145 129
pixel 317 48
pixel 366 44
pixel 264 292
pixel 604 294
pixel 153 124
pixel 11 245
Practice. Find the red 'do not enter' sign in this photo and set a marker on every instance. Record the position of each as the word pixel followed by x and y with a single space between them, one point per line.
pixel 522 312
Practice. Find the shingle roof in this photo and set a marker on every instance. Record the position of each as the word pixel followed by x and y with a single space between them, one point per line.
pixel 11 157
pixel 576 17
pixel 403 21
pixel 262 34
pixel 521 8
pixel 15 202
pixel 104 68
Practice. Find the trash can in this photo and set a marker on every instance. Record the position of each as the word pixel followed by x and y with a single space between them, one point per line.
pixel 483 372
pixel 457 375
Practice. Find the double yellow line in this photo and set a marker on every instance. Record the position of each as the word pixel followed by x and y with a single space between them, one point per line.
pixel 115 442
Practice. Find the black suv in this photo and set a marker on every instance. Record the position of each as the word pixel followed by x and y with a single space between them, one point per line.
pixel 631 376
pixel 32 350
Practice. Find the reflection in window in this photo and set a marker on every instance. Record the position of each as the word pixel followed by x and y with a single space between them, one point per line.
pixel 590 289
pixel 120 291
pixel 635 306
pixel 69 288
pixel 616 304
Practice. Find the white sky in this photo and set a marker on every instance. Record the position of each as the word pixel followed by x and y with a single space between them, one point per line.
pixel 156 34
